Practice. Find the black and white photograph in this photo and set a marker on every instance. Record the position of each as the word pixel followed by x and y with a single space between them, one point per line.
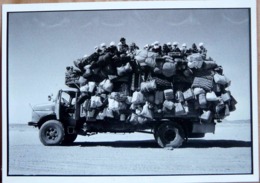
pixel 130 91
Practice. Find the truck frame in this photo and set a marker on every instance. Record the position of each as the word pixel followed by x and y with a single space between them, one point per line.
pixel 62 121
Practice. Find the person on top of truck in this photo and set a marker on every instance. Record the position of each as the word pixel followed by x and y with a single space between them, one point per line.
pixel 157 48
pixel 123 47
pixel 169 44
pixel 103 48
pixel 202 50
pixel 194 48
pixel 184 51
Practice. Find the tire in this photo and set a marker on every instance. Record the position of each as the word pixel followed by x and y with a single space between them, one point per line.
pixel 51 133
pixel 169 134
pixel 69 139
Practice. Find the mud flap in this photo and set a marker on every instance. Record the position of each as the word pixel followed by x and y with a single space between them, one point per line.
pixel 203 128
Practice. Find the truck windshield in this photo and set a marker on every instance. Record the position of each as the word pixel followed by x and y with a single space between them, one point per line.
pixel 67 97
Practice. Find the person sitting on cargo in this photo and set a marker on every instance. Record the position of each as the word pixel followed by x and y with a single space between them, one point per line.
pixel 132 50
pixel 146 47
pixel 123 46
pixel 194 48
pixel 103 48
pixel 97 49
pixel 157 48
pixel 175 52
pixel 202 50
pixel 175 48
pixel 184 51
pixel 165 49
pixel 112 49
pixel 169 44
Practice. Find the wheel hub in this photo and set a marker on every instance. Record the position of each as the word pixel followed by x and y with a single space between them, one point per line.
pixel 169 135
pixel 51 133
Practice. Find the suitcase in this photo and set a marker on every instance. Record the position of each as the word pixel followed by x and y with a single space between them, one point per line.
pixel 188 94
pixel 206 116
pixel 168 94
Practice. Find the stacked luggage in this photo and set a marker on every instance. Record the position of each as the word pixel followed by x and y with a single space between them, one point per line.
pixel 145 86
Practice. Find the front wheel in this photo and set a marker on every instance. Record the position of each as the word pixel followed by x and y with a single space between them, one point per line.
pixel 169 134
pixel 51 133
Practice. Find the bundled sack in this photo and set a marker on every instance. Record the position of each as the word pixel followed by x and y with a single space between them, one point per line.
pixel 115 105
pixel 232 105
pixel 142 120
pixel 168 94
pixel 162 83
pixel 201 82
pixel 186 108
pixel 188 72
pixel 222 80
pixel 219 106
pixel 198 91
pixel 217 88
pixel 141 55
pixel 148 86
pixel 149 98
pixel 211 96
pixel 84 88
pixel 107 85
pixel 159 97
pixel 91 86
pixel 101 115
pixel 109 113
pixel 150 60
pixel 133 118
pixel 107 70
pixel 88 71
pixel 128 100
pixel 103 60
pixel 195 57
pixel 146 112
pixel 206 116
pixel 159 65
pixel 202 101
pixel 169 69
pixel 124 69
pixel 209 65
pixel 82 81
pixel 91 115
pixel 168 105
pixel 95 102
pixel 179 109
pixel 226 97
pixel 188 94
pixel 195 61
pixel 118 96
pixel 179 96
pixel 137 98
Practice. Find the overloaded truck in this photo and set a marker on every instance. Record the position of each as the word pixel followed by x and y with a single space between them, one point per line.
pixel 173 96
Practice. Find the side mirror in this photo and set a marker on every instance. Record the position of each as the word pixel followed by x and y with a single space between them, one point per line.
pixel 50 97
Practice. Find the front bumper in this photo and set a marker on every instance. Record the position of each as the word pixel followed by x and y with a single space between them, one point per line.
pixel 31 123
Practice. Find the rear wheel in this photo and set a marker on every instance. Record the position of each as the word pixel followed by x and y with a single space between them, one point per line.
pixel 51 133
pixel 169 134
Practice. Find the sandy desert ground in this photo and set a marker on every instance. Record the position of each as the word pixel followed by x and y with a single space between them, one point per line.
pixel 228 151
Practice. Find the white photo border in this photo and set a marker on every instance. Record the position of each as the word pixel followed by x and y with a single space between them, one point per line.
pixel 251 4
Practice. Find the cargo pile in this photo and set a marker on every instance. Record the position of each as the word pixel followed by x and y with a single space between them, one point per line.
pixel 138 85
